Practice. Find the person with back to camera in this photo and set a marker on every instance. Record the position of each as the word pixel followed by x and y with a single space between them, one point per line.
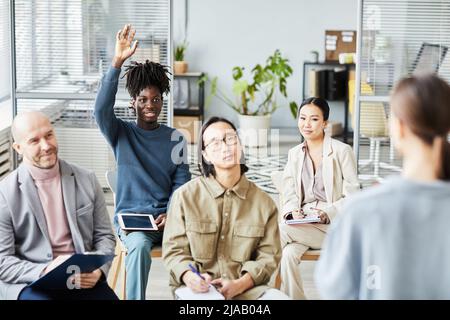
pixel 393 240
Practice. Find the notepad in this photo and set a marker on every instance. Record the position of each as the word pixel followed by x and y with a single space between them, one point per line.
pixel 308 219
pixel 186 293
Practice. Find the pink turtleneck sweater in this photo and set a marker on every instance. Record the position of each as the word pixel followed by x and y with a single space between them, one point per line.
pixel 48 183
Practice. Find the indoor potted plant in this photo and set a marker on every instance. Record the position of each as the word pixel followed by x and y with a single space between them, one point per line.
pixel 256 99
pixel 180 66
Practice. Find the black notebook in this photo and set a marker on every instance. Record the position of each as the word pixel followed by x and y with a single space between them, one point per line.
pixel 83 263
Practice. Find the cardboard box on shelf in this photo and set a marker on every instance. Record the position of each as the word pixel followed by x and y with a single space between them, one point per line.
pixel 189 126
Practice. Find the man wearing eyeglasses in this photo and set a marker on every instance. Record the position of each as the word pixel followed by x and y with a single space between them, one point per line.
pixel 151 157
pixel 222 230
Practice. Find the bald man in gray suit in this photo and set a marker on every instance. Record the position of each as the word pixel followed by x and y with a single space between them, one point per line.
pixel 49 210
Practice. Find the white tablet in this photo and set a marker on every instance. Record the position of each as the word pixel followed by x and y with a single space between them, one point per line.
pixel 137 222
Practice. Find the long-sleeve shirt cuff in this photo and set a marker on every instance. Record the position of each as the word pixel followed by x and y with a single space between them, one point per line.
pixel 180 268
pixel 105 269
pixel 38 271
pixel 289 208
pixel 257 272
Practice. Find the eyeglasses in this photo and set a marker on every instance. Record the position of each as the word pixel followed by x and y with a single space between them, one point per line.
pixel 229 140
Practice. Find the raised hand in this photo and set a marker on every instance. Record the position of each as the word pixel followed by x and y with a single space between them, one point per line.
pixel 124 47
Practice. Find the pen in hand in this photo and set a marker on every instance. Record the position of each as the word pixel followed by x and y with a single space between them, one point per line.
pixel 196 281
pixel 322 215
pixel 298 214
pixel 194 270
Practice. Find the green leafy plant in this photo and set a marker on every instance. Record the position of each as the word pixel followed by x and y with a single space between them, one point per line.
pixel 293 106
pixel 259 95
pixel 180 51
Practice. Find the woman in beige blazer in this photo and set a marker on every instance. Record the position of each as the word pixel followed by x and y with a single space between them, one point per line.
pixel 319 174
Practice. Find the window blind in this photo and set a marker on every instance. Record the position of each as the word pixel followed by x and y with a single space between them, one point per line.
pixel 403 37
pixel 5 153
pixel 63 47
pixel 5 84
pixel 396 38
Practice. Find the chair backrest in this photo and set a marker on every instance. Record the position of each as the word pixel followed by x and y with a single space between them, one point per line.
pixel 111 180
pixel 277 177
pixel 277 180
pixel 429 58
pixel 373 121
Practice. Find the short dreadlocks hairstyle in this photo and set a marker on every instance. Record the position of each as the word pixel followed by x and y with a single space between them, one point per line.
pixel 143 75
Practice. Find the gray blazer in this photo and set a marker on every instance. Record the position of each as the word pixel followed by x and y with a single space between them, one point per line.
pixel 25 248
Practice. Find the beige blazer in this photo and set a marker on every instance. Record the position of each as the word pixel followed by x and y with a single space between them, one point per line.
pixel 339 174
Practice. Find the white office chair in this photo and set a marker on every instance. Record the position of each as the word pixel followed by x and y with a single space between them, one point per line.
pixel 374 126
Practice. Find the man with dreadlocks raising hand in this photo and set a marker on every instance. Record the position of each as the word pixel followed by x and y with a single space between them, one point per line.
pixel 151 157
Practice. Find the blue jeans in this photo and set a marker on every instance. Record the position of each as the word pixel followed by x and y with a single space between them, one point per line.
pixel 138 260
pixel 101 291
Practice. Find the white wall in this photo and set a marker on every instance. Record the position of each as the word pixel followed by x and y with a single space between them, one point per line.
pixel 224 34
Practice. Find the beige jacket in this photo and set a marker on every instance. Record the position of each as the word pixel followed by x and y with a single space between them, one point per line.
pixel 225 233
pixel 338 171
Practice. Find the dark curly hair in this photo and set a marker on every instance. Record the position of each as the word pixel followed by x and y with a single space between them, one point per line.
pixel 143 75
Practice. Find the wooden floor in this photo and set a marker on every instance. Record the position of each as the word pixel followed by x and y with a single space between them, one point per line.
pixel 158 288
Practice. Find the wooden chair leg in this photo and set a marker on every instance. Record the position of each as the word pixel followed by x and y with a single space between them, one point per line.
pixel 115 270
pixel 124 281
pixel 278 281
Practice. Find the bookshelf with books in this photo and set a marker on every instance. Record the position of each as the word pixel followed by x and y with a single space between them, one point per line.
pixel 329 80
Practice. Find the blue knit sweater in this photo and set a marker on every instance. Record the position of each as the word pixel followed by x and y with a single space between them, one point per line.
pixel 151 163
